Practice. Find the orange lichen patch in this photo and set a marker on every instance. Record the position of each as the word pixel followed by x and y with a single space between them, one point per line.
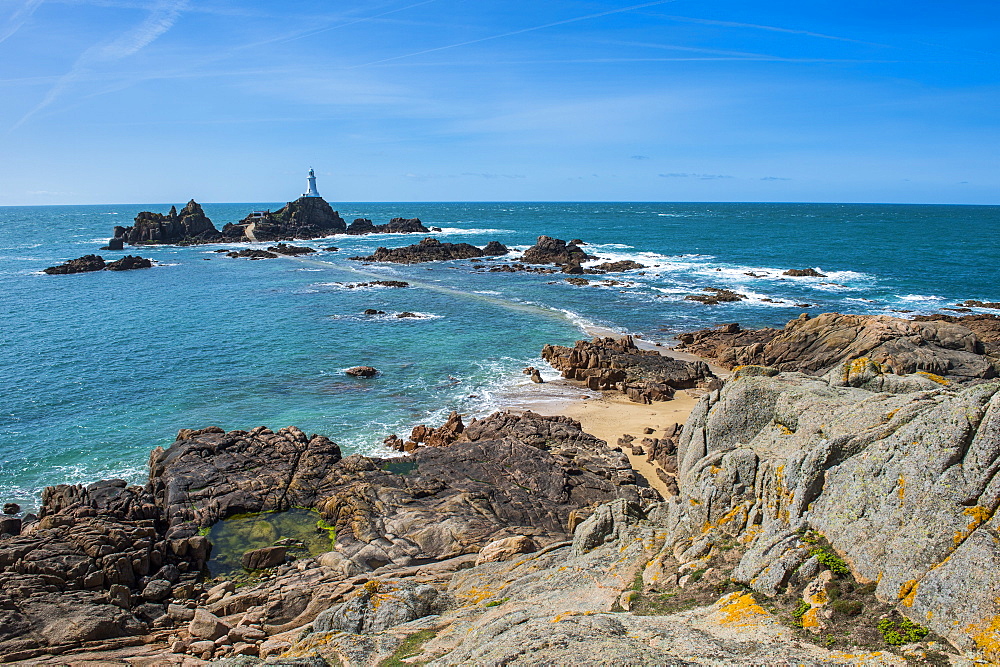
pixel 714 470
pixel 986 635
pixel 901 489
pixel 730 515
pixel 809 619
pixel 784 429
pixel 980 515
pixel 935 378
pixel 855 658
pixel 907 592
pixel 891 414
pixel 567 614
pixel 476 595
pixel 741 610
pixel 694 501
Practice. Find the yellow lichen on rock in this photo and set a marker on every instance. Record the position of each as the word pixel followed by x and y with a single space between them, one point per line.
pixel 740 609
pixel 907 592
pixel 986 635
pixel 936 378
pixel 901 489
pixel 980 515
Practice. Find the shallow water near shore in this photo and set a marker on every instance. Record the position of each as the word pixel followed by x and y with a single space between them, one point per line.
pixel 100 368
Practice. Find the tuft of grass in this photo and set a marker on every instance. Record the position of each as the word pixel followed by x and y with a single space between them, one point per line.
pixel 411 646
pixel 834 562
pixel 903 632
pixel 848 607
pixel 496 603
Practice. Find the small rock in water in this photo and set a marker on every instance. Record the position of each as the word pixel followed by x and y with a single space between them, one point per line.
pixel 372 311
pixel 804 273
pixel 362 371
pixel 11 508
pixel 406 313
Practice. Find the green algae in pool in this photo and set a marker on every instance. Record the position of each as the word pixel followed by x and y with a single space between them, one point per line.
pixel 303 529
pixel 399 466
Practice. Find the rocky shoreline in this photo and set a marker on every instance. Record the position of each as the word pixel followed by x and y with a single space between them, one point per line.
pixel 833 500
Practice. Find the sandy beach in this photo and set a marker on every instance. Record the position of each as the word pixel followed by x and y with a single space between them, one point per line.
pixel 612 415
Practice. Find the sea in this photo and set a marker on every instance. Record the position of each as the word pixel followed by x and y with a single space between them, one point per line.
pixel 100 368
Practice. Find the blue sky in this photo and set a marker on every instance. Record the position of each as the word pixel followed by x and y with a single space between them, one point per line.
pixel 149 101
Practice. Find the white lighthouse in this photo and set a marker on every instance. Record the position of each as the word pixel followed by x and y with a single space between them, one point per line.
pixel 311 180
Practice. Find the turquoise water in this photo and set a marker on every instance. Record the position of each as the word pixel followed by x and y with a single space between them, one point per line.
pixel 100 368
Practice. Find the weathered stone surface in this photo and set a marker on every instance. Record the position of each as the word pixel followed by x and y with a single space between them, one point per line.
pixel 817 345
pixel 379 605
pixel 901 484
pixel 428 250
pixel 616 363
pixel 78 265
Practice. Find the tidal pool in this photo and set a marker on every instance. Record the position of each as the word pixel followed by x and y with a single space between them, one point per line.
pixel 303 531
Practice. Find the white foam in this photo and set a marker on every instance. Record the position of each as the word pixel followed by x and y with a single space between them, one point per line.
pixel 918 298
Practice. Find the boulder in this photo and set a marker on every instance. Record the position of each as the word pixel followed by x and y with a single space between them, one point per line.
pixel 362 371
pixel 506 548
pixel 207 626
pixel 261 559
pixel 11 509
pixel 157 590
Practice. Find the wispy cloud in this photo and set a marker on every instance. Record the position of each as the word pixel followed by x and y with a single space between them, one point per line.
pixel 161 18
pixel 769 28
pixel 18 17
pixel 775 178
pixel 518 32
pixel 639 157
pixel 703 177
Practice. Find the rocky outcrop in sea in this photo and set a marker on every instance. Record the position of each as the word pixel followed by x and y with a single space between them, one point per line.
pixel 89 263
pixel 432 250
pixel 191 225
